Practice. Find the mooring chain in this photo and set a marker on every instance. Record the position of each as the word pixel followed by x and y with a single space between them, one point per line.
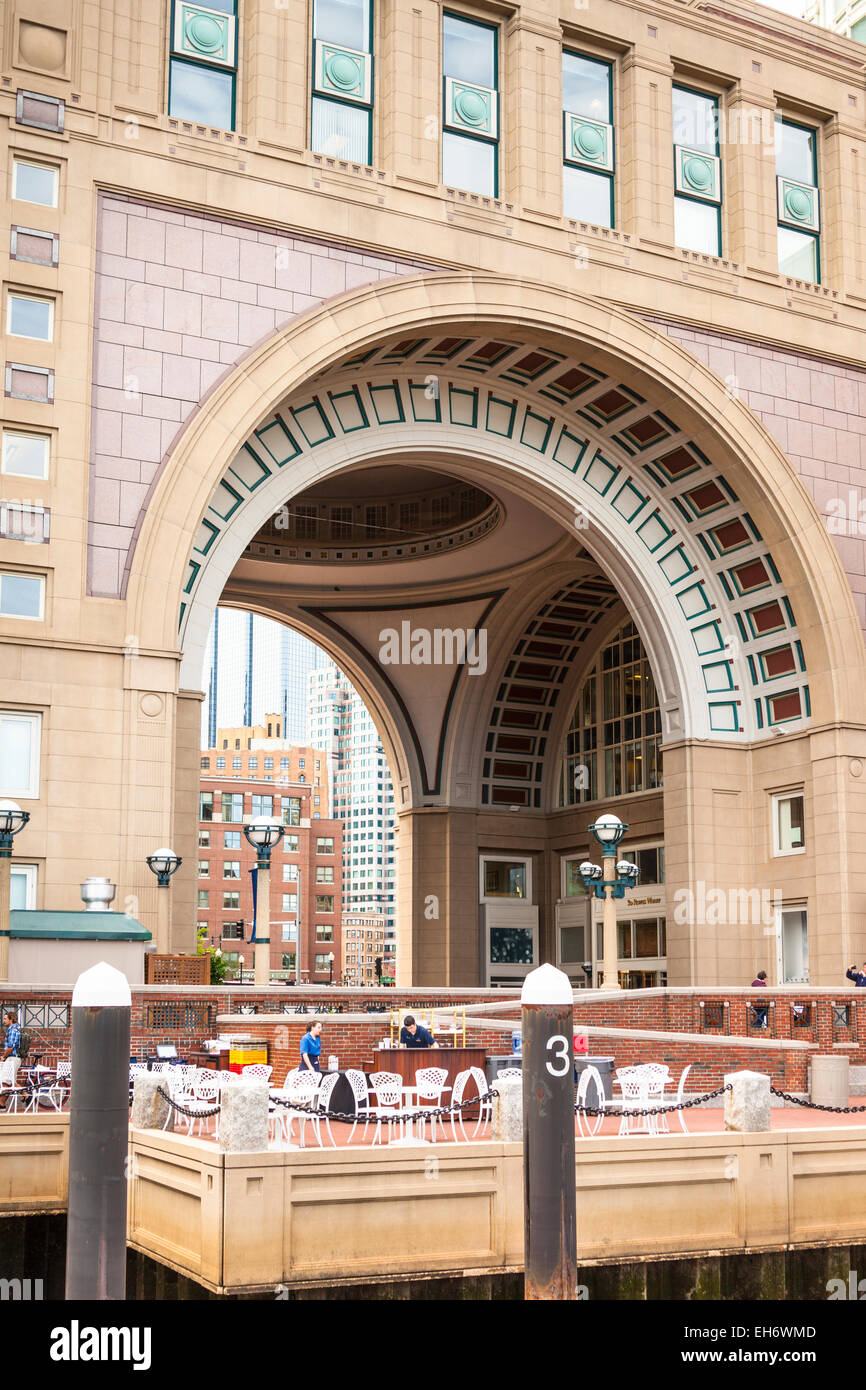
pixel 582 1109
pixel 182 1110
pixel 388 1116
pixel 813 1105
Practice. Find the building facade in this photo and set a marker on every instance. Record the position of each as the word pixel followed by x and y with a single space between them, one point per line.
pixel 364 943
pixel 362 798
pixel 513 354
pixel 265 776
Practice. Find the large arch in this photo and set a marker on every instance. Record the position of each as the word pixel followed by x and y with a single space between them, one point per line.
pixel 637 452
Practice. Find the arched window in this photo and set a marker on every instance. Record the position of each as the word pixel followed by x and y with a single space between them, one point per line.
pixel 612 743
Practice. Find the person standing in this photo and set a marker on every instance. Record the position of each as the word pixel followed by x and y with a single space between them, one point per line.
pixel 311 1047
pixel 761 1010
pixel 413 1035
pixel 12 1041
pixel 858 976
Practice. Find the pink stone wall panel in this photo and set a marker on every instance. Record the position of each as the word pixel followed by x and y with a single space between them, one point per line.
pixel 179 300
pixel 816 411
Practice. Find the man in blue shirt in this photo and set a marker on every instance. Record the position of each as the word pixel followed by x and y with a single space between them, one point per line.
pixel 858 976
pixel 413 1035
pixel 13 1035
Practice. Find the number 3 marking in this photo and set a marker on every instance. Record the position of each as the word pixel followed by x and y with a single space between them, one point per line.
pixel 560 1046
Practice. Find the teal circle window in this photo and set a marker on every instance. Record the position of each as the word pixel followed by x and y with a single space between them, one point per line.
pixel 204 33
pixel 798 204
pixel 698 174
pixel 588 142
pixel 471 107
pixel 343 71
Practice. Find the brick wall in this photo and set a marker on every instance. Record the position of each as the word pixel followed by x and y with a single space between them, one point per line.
pixel 710 1013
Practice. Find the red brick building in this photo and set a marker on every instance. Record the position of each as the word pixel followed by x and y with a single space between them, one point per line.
pixel 247 776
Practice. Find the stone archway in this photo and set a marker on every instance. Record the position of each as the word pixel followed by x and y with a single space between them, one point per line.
pixel 592 416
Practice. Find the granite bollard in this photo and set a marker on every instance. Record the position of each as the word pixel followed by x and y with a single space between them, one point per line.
pixel 243 1120
pixel 747 1104
pixel 149 1108
pixel 508 1109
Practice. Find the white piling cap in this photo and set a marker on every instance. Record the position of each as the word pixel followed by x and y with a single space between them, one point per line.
pixel 101 987
pixel 547 985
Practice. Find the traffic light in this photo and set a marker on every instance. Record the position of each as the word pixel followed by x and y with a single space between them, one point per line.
pixel 377 963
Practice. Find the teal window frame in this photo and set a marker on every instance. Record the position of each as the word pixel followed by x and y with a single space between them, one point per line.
pixel 465 134
pixel 175 56
pixel 707 96
pixel 575 164
pixel 805 231
pixel 353 105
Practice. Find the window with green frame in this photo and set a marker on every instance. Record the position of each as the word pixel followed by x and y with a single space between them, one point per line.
pixel 470 135
pixel 613 742
pixel 587 139
pixel 697 172
pixel 342 103
pixel 798 201
pixel 203 65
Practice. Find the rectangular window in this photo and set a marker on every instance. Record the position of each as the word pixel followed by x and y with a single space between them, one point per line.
pixel 324 845
pixel 288 961
pixel 291 810
pixel 233 806
pixel 203 65
pixel 232 839
pixel 204 868
pixel 232 900
pixel 290 843
pixel 503 878
pixel 19 754
pixel 22 596
pixel 290 931
pixel 205 805
pixel 470 139
pixel 323 964
pixel 342 106
pixel 253 764
pixel 798 201
pixel 290 902
pixel 789 824
pixel 233 931
pixel 237 764
pixel 587 133
pixel 35 183
pixel 220 762
pixel 325 873
pixel 204 839
pixel 324 931
pixel 26 455
pixel 697 172
pixel 792 946
pixel 29 317
pixel 22 887
pixel 205 764
pixel 231 868
pixel 290 873
pixel 263 806
pixel 324 903
pixel 204 897
pixel 269 762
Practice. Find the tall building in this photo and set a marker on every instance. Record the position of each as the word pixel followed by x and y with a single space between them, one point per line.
pixel 248 773
pixel 846 17
pixel 362 799
pixel 255 664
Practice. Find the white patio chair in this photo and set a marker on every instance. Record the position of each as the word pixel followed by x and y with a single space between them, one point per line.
pixel 485 1108
pixel 462 1081
pixel 361 1093
pixel 508 1072
pixel 430 1082
pixel 681 1091
pixel 300 1089
pixel 323 1100
pixel 205 1095
pixel 635 1096
pixel 387 1087
pixel 257 1071
pixel 590 1076
pixel 658 1075
pixel 9 1084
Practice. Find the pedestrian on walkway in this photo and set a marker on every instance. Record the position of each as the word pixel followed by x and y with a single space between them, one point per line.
pixel 858 976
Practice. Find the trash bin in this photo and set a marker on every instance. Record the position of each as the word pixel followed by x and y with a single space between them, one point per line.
pixel 604 1067
pixel 830 1080
pixel 494 1065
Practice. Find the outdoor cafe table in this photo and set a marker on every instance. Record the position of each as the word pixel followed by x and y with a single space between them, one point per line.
pixel 410 1102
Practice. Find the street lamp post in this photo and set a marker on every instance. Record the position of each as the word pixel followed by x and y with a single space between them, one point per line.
pixel 263 834
pixel 609 883
pixel 12 819
pixel 163 863
pixel 330 967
